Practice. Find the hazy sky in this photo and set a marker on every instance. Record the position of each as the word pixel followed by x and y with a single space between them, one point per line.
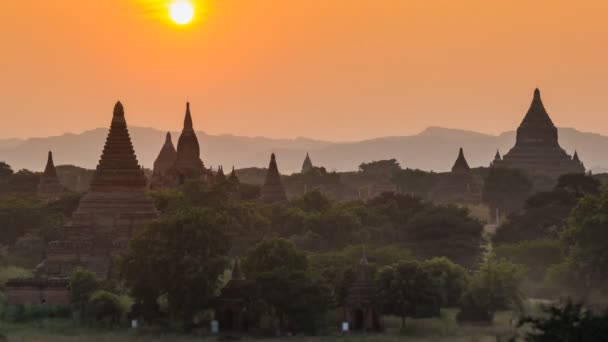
pixel 330 69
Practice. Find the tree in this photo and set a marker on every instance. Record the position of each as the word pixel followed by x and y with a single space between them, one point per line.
pixel 19 215
pixel 182 256
pixel 578 183
pixel 83 284
pixel 280 274
pixel 570 322
pixel 445 231
pixel 408 289
pixel 536 255
pixel 586 242
pixel 23 183
pixel 543 217
pixel 453 279
pixel 104 305
pixel 382 167
pixel 506 189
pixel 5 171
pixel 495 286
pixel 415 182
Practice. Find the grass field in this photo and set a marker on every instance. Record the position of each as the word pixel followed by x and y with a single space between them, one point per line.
pixel 426 330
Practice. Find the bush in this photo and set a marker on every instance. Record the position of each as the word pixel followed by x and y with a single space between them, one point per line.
pixel 26 313
pixel 104 306
pixel 495 286
pixel 12 272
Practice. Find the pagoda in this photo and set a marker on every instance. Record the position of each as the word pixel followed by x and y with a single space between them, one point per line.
pixel 360 305
pixel 307 165
pixel 459 184
pixel 49 187
pixel 188 164
pixel 165 160
pixel 231 305
pixel 115 208
pixel 273 190
pixel 537 149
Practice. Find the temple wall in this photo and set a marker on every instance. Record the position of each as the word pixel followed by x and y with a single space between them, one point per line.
pixel 31 295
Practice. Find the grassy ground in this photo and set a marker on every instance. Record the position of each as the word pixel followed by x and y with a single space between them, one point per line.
pixel 426 330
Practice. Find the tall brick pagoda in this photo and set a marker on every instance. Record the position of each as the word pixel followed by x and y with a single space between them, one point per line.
pixel 165 160
pixel 273 190
pixel 360 305
pixel 116 206
pixel 188 164
pixel 537 149
pixel 49 188
pixel 307 165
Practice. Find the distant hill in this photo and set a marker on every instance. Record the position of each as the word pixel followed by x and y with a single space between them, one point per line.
pixel 435 149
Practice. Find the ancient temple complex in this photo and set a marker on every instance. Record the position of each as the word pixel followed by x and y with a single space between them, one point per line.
pixel 49 188
pixel 361 310
pixel 307 165
pixel 116 206
pixel 165 160
pixel 537 149
pixel 273 190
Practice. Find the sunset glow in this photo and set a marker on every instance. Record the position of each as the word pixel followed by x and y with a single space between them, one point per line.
pixel 181 12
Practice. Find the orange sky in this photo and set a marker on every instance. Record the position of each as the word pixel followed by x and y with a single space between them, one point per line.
pixel 329 69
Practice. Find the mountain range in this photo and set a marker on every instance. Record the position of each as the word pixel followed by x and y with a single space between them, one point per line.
pixel 435 149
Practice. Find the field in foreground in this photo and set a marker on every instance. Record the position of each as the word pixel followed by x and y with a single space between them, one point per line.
pixel 425 330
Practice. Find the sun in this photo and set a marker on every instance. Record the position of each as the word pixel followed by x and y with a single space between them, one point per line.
pixel 181 12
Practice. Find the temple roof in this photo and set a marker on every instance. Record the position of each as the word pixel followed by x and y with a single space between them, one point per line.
pixel 220 173
pixel 233 177
pixel 166 157
pixel 118 166
pixel 307 165
pixel 497 156
pixel 575 157
pixel 272 190
pixel 537 114
pixel 461 164
pixel 49 170
pixel 188 149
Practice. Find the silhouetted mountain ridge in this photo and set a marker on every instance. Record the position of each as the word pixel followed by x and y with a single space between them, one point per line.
pixel 435 148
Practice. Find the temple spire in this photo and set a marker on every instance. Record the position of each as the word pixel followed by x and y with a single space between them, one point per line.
pixel 272 190
pixel 188 119
pixel 118 166
pixel 461 164
pixel 575 157
pixel 233 177
pixel 307 165
pixel 497 156
pixel 49 170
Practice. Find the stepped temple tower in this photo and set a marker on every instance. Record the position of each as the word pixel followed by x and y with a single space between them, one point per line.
pixel 188 164
pixel 272 191
pixel 49 188
pixel 165 160
pixel 537 149
pixel 307 165
pixel 231 305
pixel 360 306
pixel 116 206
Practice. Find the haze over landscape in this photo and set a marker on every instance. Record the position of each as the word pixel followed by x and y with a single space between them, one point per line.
pixel 309 170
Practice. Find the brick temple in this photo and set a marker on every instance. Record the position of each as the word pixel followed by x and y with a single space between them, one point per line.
pixel 115 208
pixel 537 150
pixel 273 191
